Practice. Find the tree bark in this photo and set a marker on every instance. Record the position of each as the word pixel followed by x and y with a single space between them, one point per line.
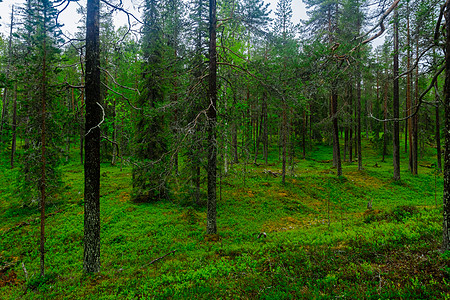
pixel 396 137
pixel 358 118
pixel 43 144
pixel 350 133
pixel 446 199
pixel 409 121
pixel 211 227
pixel 415 121
pixel 438 130
pixel 284 134
pixel 92 141
pixel 336 148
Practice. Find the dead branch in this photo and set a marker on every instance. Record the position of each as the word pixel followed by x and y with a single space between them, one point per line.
pixel 25 271
pixel 159 258
pixel 115 82
pixel 98 125
pixel 415 63
pixel 119 8
pixel 121 95
pixel 226 48
pixel 262 234
pixel 380 22
pixel 420 101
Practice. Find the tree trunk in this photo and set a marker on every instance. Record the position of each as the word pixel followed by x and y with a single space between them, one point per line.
pixel 211 227
pixel 92 141
pixel 358 119
pixel 350 126
pixel 409 121
pixel 43 145
pixel 446 199
pixel 305 124
pixel 385 115
pixel 14 127
pixel 336 147
pixel 284 143
pixel 438 130
pixel 396 137
pixel 415 121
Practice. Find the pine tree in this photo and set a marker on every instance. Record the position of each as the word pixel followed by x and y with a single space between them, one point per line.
pixel 91 262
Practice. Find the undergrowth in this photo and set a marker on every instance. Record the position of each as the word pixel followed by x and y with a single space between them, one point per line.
pixel 312 238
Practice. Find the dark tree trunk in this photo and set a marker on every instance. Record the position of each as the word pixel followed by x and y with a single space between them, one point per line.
pixel 438 130
pixel 265 129
pixel 92 141
pixel 409 121
pixel 396 137
pixel 415 121
pixel 43 181
pixel 336 147
pixel 446 200
pixel 211 227
pixel 261 129
pixel 350 126
pixel 385 114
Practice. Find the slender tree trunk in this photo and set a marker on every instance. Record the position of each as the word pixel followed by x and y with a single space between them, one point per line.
pixel 415 121
pixel 305 124
pixel 265 129
pixel 408 127
pixel 358 120
pixel 336 147
pixel 234 137
pixel 438 129
pixel 350 133
pixel 92 141
pixel 396 137
pixel 14 127
pixel 114 135
pixel 43 145
pixel 284 143
pixel 385 115
pixel 211 227
pixel 259 135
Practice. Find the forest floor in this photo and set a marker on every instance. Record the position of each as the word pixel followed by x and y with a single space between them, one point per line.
pixel 320 240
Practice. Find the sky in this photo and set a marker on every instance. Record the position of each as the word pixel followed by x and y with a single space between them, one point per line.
pixel 70 18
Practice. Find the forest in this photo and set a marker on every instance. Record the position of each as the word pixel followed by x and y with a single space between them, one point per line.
pixel 224 150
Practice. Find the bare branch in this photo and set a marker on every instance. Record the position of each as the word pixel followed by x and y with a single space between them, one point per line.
pixel 115 82
pixel 121 95
pixel 98 125
pixel 420 101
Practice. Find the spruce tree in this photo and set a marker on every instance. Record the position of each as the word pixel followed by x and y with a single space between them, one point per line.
pixel 41 158
pixel 151 145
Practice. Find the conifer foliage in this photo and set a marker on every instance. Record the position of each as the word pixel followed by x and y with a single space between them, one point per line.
pixel 150 142
pixel 42 154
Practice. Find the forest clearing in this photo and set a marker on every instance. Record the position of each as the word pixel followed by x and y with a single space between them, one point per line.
pixel 225 150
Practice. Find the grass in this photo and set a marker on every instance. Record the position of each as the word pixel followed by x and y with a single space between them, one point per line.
pixel 321 242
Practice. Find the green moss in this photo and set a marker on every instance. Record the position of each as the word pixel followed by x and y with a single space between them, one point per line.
pixel 320 240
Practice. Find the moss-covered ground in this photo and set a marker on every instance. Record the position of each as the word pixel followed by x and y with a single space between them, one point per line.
pixel 320 241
